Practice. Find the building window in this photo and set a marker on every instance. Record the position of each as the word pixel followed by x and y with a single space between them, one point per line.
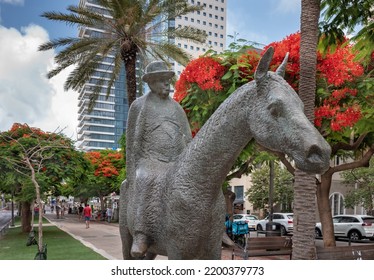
pixel 337 204
pixel 192 19
pixel 198 21
pixel 216 17
pixel 185 46
pixel 239 192
pixel 204 14
pixel 204 22
pixel 221 45
pixel 185 18
pixel 210 15
pixel 222 18
pixel 210 24
pixel 210 33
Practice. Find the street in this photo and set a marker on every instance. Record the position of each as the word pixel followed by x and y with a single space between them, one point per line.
pixel 5 217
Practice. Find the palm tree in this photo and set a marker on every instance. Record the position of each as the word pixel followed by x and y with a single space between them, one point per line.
pixel 305 184
pixel 129 30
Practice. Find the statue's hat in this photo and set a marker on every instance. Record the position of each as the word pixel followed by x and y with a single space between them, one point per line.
pixel 157 69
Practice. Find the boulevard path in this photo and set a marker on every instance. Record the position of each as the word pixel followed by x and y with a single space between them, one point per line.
pixel 104 238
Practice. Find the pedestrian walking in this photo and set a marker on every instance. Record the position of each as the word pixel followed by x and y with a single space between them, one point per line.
pixel 109 214
pixel 87 213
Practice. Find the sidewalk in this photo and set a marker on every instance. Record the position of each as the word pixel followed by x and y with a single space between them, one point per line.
pixel 104 238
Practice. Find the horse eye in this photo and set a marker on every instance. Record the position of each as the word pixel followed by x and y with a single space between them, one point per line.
pixel 275 110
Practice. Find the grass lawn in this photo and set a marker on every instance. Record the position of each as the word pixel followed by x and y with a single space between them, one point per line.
pixel 60 246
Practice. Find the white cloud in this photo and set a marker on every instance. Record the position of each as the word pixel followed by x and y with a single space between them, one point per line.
pixel 26 95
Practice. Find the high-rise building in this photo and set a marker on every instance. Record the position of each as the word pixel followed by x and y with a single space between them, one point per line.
pixel 103 126
pixel 212 19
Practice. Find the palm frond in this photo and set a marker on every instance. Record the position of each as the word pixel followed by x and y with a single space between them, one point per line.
pixel 58 43
pixel 190 33
pixel 161 50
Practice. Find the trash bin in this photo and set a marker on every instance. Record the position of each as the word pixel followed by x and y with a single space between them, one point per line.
pixel 273 229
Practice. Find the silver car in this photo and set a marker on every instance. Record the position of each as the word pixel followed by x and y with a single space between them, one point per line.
pixel 284 219
pixel 354 227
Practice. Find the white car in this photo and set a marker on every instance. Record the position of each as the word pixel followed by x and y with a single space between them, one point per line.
pixel 284 219
pixel 354 227
pixel 251 220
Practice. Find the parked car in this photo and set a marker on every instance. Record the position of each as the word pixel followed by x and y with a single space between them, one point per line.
pixel 284 219
pixel 251 220
pixel 354 227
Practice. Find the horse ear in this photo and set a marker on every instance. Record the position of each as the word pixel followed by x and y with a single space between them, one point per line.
pixel 281 70
pixel 263 65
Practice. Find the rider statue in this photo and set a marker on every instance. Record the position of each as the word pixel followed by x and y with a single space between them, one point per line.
pixel 157 133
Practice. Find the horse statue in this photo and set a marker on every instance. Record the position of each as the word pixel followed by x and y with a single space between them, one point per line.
pixel 191 211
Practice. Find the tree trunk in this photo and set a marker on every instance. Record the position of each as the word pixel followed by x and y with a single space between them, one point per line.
pixel 324 209
pixel 229 201
pixel 26 216
pixel 305 184
pixel 130 67
pixel 304 219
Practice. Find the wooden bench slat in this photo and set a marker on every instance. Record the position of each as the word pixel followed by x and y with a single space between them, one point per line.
pixel 269 246
pixel 364 252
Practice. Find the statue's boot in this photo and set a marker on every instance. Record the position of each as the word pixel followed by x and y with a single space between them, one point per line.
pixel 139 245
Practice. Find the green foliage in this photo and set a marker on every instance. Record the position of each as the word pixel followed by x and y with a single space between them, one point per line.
pixel 258 194
pixel 28 152
pixel 364 193
pixel 344 16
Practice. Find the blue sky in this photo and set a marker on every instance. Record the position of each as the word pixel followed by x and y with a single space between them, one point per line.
pixel 26 96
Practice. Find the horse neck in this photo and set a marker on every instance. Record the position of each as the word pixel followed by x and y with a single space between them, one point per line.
pixel 212 153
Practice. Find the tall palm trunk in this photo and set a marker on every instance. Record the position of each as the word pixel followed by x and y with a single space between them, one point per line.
pixel 305 184
pixel 130 67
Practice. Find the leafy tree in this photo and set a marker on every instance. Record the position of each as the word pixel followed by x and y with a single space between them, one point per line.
pixel 41 158
pixel 342 17
pixel 104 176
pixel 363 195
pixel 258 194
pixel 131 29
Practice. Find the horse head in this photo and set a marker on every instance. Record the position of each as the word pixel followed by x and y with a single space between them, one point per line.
pixel 279 124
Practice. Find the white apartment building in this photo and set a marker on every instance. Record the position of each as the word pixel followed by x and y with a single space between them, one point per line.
pixel 212 19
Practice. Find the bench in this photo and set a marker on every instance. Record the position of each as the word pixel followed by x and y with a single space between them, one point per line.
pixel 269 246
pixel 359 252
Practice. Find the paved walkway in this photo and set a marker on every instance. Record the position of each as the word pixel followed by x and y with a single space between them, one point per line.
pixel 104 237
